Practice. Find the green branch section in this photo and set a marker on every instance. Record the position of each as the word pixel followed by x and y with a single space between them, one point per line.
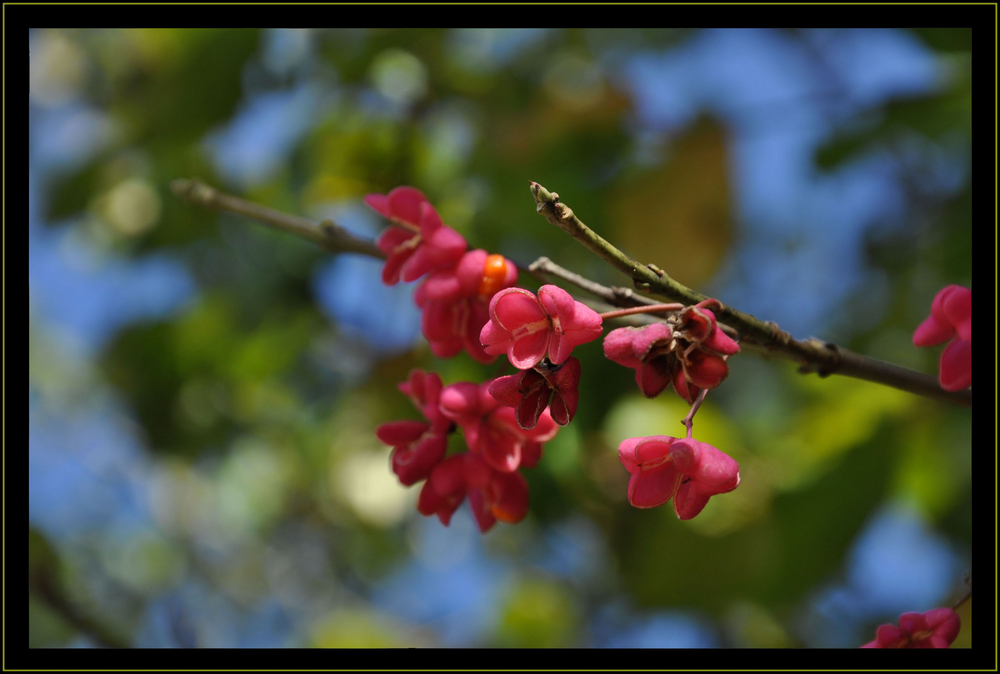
pixel 327 234
pixel 812 355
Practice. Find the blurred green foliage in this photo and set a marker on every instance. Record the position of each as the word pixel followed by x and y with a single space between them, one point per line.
pixel 259 413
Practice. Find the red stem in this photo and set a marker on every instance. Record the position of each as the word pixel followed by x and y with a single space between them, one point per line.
pixel 649 309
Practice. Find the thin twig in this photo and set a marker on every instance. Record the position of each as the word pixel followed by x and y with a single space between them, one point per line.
pixel 812 355
pixel 651 309
pixel 327 234
pixel 688 420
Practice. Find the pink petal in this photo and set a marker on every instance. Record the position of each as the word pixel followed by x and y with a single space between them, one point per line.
pixel 460 402
pixel 655 375
pixel 531 452
pixel 475 322
pixel 705 369
pixel 887 634
pixel 932 332
pixel 531 407
pixel 494 338
pixel 556 301
pixel 958 311
pixel 713 471
pixel 438 321
pixel 527 351
pixel 719 341
pixel 945 623
pixel 508 496
pixel 618 347
pixel 501 449
pixel 651 487
pixel 684 390
pixel 514 308
pixel 445 348
pixel 380 203
pixel 573 323
pixel 391 239
pixel 404 204
pixel 427 258
pixel 453 283
pixel 446 246
pixel 414 464
pixel 955 372
pixel 697 323
pixel 428 219
pixel 505 390
pixel 634 452
pixel 689 501
pixel 560 410
pixel 401 432
pixel 657 334
pixel 543 431
pixel 448 477
pixel 480 510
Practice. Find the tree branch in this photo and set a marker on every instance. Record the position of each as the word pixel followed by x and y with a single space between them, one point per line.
pixel 812 355
pixel 327 234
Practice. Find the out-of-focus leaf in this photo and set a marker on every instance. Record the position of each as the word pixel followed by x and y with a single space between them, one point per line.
pixel 358 628
pixel 191 81
pixel 537 614
pixel 679 214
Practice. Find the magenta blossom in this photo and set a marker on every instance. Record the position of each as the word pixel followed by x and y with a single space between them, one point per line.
pixel 662 467
pixel 689 353
pixel 417 242
pixel 492 430
pixel 455 303
pixel 530 392
pixel 950 319
pixel 416 448
pixel 527 327
pixel 934 629
pixel 493 495
pixel 417 445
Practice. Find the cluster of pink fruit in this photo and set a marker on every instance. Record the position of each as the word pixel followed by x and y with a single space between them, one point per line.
pixel 469 303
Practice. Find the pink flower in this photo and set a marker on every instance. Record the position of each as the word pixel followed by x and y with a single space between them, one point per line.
pixel 492 430
pixel 530 392
pixel 493 495
pixel 424 391
pixel 697 324
pixel 647 350
pixel 455 303
pixel 418 242
pixel 950 319
pixel 934 629
pixel 445 489
pixel 527 327
pixel 417 446
pixel 662 467
pixel 690 355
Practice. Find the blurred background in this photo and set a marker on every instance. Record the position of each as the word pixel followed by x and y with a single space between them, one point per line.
pixel 203 391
